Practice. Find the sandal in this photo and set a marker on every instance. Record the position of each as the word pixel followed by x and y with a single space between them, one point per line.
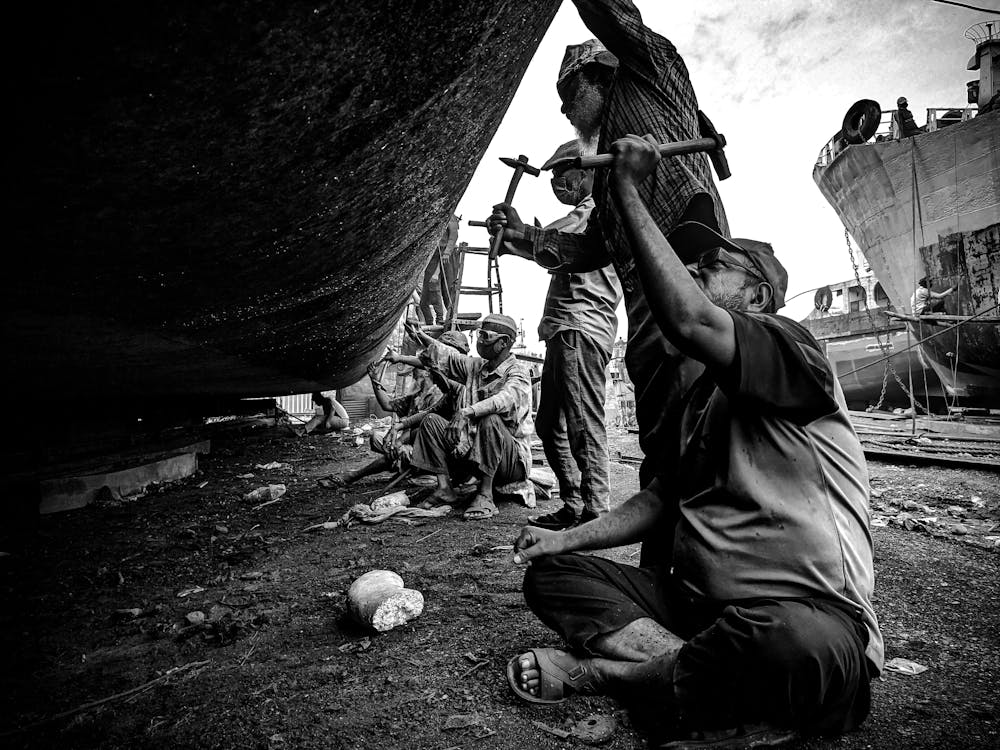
pixel 560 675
pixel 480 509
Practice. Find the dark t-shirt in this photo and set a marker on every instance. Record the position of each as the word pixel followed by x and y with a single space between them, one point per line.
pixel 772 485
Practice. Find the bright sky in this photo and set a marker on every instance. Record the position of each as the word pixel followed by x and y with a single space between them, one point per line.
pixel 775 77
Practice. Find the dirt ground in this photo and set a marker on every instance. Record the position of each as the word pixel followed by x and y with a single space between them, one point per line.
pixel 277 665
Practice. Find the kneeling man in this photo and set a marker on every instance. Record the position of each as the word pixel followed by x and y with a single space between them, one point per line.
pixel 760 624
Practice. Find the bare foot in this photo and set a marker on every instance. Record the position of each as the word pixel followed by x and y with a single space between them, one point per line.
pixel 440 497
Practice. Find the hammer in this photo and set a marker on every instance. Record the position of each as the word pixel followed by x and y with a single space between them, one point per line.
pixel 711 142
pixel 520 166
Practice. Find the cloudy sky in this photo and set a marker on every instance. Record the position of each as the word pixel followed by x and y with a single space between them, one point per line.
pixel 776 77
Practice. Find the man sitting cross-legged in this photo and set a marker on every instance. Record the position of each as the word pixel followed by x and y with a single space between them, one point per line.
pixel 490 432
pixel 760 624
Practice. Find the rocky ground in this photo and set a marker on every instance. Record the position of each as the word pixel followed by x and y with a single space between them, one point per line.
pixel 192 618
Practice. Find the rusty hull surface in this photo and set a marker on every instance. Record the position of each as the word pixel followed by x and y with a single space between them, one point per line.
pixel 930 205
pixel 236 199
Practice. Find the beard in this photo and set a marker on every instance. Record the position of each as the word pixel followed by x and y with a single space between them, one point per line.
pixel 587 114
pixel 733 300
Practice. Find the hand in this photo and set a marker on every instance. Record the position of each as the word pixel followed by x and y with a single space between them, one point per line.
pixel 456 428
pixel 412 329
pixel 635 159
pixel 373 370
pixel 391 357
pixel 534 542
pixel 505 219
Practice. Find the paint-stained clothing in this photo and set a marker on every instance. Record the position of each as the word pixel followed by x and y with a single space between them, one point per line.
pixel 651 93
pixel 504 391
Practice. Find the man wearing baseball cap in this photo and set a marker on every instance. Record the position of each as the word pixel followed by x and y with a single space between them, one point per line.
pixel 490 434
pixel 760 627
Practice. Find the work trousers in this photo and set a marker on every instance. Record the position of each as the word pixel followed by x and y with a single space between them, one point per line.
pixel 797 663
pixel 570 419
pixel 494 451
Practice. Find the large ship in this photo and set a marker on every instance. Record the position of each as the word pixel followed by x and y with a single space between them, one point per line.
pixel 871 352
pixel 928 205
pixel 237 199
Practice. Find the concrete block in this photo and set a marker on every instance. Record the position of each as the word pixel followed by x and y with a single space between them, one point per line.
pixel 69 493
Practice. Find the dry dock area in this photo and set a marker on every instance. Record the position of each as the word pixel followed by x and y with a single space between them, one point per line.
pixel 103 647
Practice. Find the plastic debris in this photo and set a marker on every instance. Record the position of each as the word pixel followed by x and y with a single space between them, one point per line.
pixel 904 666
pixel 392 500
pixel 272 465
pixel 261 494
pixel 188 592
pixel 248 475
pixel 195 618
pixel 368 514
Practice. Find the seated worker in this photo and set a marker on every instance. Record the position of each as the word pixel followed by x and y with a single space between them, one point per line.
pixel 330 416
pixel 926 302
pixel 490 433
pixel 760 625
pixel 423 397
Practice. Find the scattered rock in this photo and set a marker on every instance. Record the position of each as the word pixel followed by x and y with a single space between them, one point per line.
pixel 195 618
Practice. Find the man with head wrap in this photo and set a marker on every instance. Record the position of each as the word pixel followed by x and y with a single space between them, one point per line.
pixel 630 80
pixel 491 431
pixel 578 327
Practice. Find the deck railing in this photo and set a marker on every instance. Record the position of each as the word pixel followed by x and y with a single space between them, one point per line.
pixel 937 118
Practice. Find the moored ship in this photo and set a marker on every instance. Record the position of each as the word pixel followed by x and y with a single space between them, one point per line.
pixel 928 205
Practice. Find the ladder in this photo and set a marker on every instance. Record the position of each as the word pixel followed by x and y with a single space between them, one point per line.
pixel 493 288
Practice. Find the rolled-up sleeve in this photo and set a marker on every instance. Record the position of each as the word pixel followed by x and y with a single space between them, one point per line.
pixel 570 252
pixel 512 402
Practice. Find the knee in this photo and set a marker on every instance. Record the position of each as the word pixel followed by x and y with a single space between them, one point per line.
pixel 489 426
pixel 432 424
pixel 540 578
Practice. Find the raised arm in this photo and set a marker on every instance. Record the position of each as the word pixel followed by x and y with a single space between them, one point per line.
pixel 688 319
pixel 619 26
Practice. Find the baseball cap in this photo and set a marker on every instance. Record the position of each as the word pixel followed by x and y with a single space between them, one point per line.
pixel 500 324
pixel 456 340
pixel 692 238
pixel 578 56
pixel 564 154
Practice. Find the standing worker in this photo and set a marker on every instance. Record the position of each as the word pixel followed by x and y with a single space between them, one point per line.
pixel 906 126
pixel 642 88
pixel 578 327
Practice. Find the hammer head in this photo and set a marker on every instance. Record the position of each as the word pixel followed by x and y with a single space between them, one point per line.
pixel 717 155
pixel 521 162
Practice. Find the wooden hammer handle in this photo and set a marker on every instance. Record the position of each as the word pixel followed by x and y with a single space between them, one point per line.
pixel 666 149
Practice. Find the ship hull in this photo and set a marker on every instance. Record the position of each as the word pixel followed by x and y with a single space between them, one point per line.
pixel 930 206
pixel 237 199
